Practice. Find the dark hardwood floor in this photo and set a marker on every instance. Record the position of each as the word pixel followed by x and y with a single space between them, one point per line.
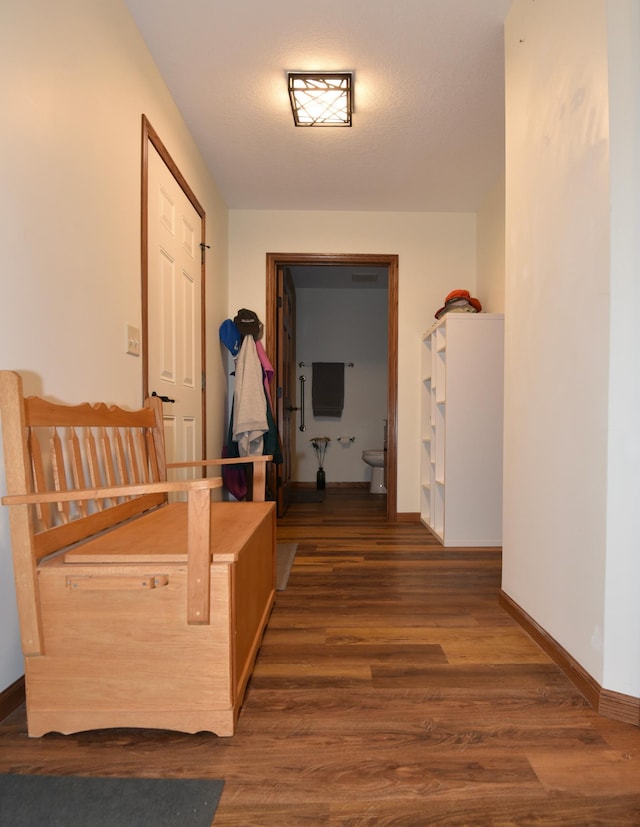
pixel 391 689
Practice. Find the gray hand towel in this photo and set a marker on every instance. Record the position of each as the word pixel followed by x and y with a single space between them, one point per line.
pixel 327 388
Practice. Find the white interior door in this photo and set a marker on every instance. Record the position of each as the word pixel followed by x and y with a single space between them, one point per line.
pixel 174 310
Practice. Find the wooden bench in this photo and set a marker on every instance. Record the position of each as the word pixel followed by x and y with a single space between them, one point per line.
pixel 134 611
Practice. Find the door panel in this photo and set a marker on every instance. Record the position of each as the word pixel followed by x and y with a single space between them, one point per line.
pixel 174 310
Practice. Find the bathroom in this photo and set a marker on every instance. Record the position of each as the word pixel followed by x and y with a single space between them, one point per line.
pixel 341 316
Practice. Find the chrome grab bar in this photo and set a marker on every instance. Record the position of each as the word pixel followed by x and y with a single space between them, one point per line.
pixel 303 427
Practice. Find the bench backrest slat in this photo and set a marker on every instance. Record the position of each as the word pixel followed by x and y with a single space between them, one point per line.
pixel 77 467
pixel 59 473
pixel 42 516
pixel 73 446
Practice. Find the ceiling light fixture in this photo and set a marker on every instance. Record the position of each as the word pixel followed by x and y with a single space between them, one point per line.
pixel 321 98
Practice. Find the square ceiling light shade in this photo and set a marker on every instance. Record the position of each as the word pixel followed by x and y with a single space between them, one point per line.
pixel 321 98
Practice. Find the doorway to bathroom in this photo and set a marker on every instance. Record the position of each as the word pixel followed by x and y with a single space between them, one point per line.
pixel 329 303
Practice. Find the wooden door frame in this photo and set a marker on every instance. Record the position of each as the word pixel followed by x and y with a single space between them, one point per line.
pixel 274 260
pixel 150 136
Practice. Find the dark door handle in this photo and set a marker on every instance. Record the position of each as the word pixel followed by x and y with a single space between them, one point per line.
pixel 292 408
pixel 162 398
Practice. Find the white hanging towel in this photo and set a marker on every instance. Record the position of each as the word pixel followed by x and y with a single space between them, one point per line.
pixel 249 401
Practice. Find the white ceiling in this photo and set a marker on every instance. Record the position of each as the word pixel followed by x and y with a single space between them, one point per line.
pixel 428 124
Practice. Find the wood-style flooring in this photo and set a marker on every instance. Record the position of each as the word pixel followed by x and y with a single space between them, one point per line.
pixel 391 691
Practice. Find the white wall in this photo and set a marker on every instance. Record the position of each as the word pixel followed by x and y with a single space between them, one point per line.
pixel 570 445
pixel 436 254
pixel 490 250
pixel 343 325
pixel 622 577
pixel 75 80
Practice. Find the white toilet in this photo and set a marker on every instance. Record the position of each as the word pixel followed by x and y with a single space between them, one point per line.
pixel 376 460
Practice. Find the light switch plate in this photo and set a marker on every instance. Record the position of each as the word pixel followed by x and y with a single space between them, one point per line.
pixel 133 340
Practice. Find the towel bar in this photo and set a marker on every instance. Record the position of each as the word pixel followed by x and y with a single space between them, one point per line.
pixel 308 364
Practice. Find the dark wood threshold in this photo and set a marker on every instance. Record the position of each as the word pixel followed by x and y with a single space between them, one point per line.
pixel 614 705
pixel 408 517
pixel 11 698
pixel 331 484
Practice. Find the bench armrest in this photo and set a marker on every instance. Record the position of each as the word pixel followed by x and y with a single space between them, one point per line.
pixel 111 491
pixel 198 463
pixel 259 479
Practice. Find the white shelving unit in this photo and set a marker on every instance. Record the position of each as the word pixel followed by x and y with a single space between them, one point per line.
pixel 461 429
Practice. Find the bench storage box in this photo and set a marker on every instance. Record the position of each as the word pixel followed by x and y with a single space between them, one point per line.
pixel 135 611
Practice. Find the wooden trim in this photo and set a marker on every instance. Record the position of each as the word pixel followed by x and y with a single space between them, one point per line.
pixel 408 517
pixel 607 703
pixel 274 260
pixel 619 707
pixel 11 698
pixel 391 481
pixel 150 136
pixel 581 679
